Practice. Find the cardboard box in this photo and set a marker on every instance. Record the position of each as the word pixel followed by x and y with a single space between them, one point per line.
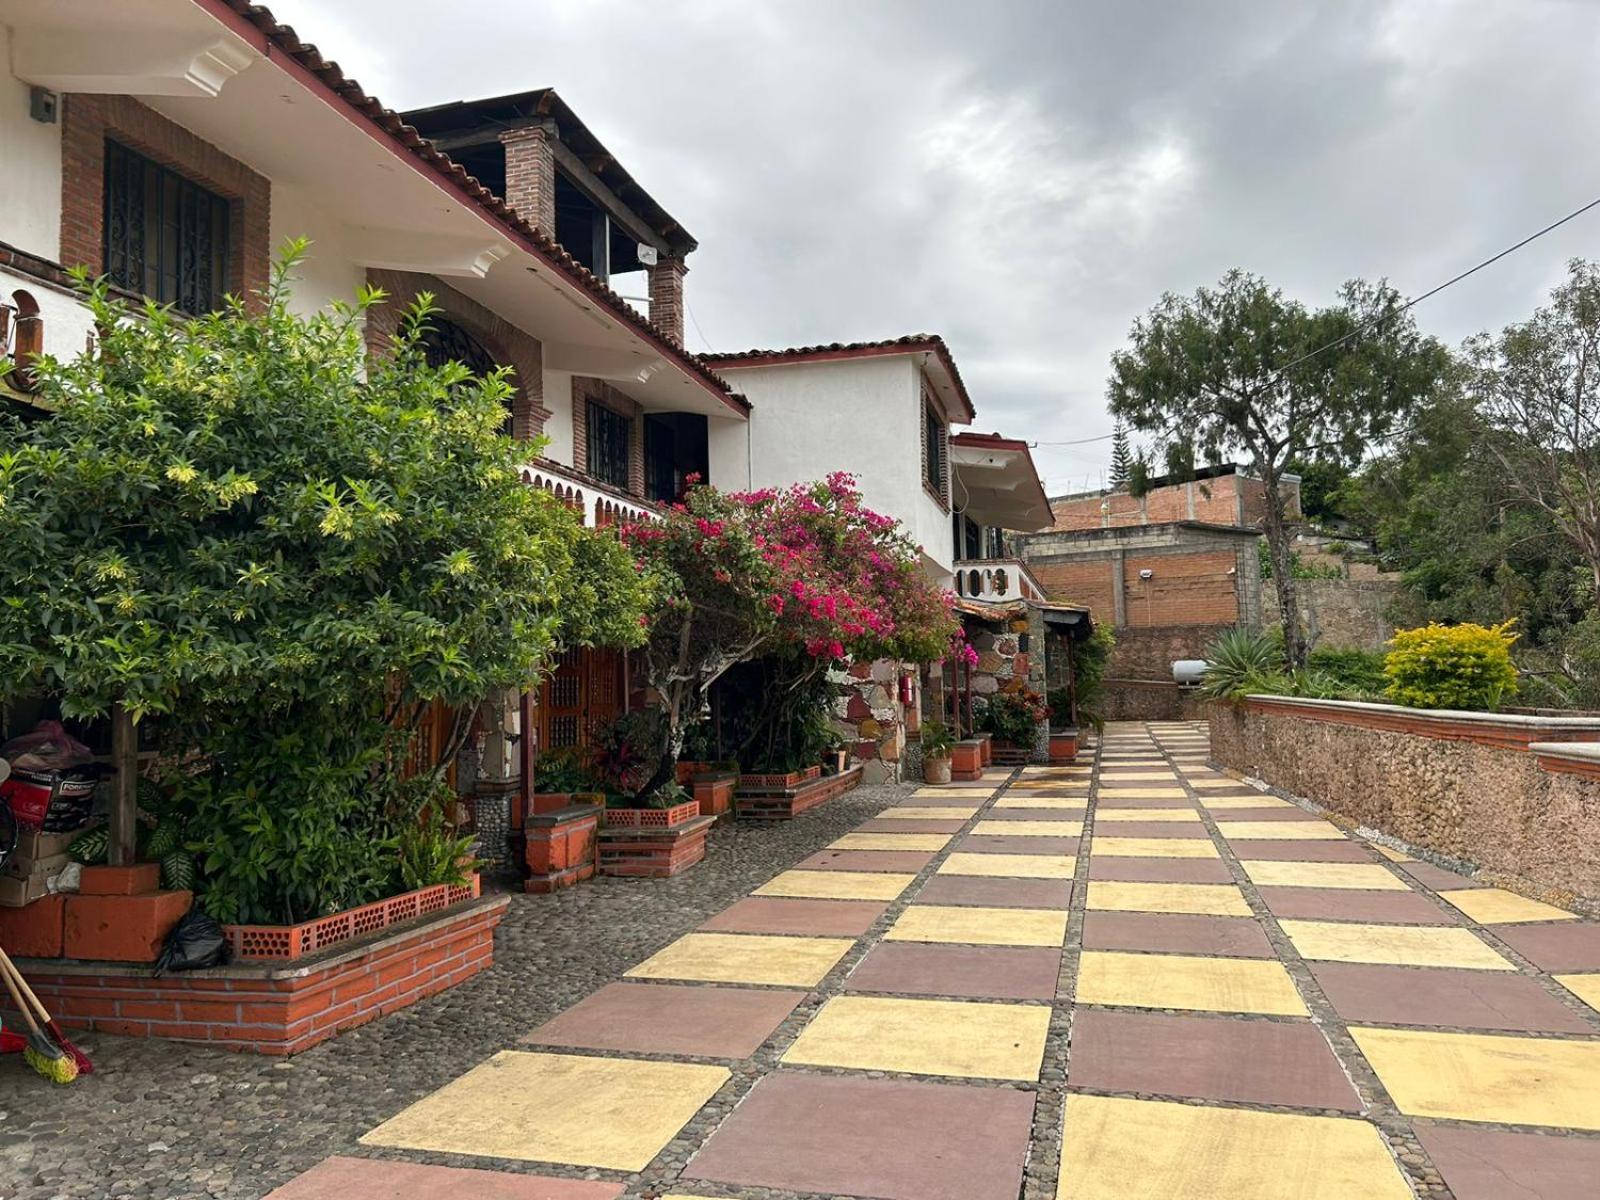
pixel 31 843
pixel 14 893
pixel 19 866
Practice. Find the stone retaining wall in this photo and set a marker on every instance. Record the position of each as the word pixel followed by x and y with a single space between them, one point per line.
pixel 1462 785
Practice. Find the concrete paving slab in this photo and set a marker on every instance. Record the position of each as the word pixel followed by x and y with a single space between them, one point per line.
pixel 1364 993
pixel 1397 945
pixel 1209 1058
pixel 558 1108
pixel 1160 870
pixel 980 926
pixel 820 918
pixel 653 1018
pixel 1360 876
pixel 1336 904
pixel 745 958
pixel 1487 1077
pixel 867 860
pixel 1183 982
pixel 1569 946
pixel 925 1037
pixel 996 893
pixel 1494 1164
pixel 1119 1149
pixel 1176 933
pixel 1065 829
pixel 799 1131
pixel 1211 899
pixel 1105 846
pixel 343 1177
pixel 841 885
pixel 1012 866
pixel 1493 906
pixel 990 844
pixel 1271 850
pixel 977 972
pixel 1437 878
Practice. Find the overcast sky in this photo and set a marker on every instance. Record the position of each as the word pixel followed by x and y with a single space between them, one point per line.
pixel 1025 176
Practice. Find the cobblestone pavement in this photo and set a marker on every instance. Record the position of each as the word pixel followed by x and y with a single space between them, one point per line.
pixel 1130 980
pixel 162 1121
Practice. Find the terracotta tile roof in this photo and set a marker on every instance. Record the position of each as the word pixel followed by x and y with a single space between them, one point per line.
pixel 911 343
pixel 283 38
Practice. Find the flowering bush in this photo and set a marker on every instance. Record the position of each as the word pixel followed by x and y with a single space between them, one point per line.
pixel 1014 716
pixel 807 572
pixel 1451 666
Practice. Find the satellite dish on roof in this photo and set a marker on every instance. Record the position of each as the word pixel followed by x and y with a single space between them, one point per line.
pixel 647 255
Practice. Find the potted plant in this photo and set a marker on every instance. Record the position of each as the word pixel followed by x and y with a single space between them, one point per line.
pixel 563 778
pixel 937 743
pixel 1014 719
pixel 834 754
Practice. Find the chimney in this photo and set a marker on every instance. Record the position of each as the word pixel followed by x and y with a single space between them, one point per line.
pixel 531 174
pixel 666 297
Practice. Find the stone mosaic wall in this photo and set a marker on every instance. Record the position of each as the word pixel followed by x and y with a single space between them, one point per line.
pixel 872 718
pixel 1491 806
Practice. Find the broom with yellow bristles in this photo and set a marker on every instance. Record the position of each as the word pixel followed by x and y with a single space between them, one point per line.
pixel 43 1053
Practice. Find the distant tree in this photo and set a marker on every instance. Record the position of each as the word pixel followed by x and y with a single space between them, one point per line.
pixel 1538 386
pixel 1139 476
pixel 1121 457
pixel 1239 369
pixel 1321 487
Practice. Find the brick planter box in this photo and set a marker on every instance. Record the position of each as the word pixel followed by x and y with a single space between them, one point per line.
pixel 966 761
pixel 1009 754
pixel 1063 745
pixel 1470 787
pixel 791 779
pixel 714 793
pixel 783 804
pixel 276 1008
pixel 560 847
pixel 654 852
pixel 548 802
pixel 985 748
pixel 652 818
pixel 294 941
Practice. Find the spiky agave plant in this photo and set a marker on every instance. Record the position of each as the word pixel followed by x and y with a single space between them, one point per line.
pixel 1241 661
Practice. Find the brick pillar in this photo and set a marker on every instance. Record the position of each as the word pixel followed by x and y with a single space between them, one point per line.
pixel 666 297
pixel 531 175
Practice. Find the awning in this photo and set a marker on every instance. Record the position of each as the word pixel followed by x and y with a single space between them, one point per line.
pixel 993 482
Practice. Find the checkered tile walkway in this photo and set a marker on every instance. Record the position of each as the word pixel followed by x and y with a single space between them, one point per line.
pixel 1133 979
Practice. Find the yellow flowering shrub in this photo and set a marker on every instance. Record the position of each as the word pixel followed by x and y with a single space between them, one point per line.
pixel 1451 666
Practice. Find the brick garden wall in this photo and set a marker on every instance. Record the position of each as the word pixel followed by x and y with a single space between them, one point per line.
pixel 1225 500
pixel 1465 789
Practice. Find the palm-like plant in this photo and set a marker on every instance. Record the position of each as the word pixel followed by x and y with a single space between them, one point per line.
pixel 1242 661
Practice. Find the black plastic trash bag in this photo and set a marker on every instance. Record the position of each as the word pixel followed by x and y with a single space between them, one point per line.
pixel 195 942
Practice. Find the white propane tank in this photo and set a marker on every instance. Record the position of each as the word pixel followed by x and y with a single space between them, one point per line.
pixel 1187 672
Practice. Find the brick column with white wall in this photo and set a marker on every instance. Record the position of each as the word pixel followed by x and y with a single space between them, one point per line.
pixel 666 297
pixel 531 175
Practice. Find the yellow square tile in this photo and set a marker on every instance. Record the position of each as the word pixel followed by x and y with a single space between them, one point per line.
pixel 1028 828
pixel 1205 899
pixel 1360 876
pixel 1024 800
pixel 928 812
pixel 972 791
pixel 556 1108
pixel 1487 1077
pixel 1051 785
pixel 891 841
pixel 1391 855
pixel 836 885
pixel 1491 906
pixel 1226 802
pixel 980 926
pixel 925 1037
pixel 1109 778
pixel 1203 782
pixel 1398 945
pixel 1282 831
pixel 1179 815
pixel 745 958
pixel 1120 1149
pixel 1135 847
pixel 1010 866
pixel 1238 985
pixel 1584 987
pixel 1112 792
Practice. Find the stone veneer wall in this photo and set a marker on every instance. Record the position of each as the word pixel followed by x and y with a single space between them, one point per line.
pixel 872 718
pixel 1462 785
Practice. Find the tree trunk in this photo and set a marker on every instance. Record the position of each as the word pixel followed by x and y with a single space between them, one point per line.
pixel 1283 581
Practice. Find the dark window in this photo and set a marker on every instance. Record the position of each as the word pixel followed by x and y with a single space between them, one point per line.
pixel 934 459
pixel 675 447
pixel 609 434
pixel 974 540
pixel 446 342
pixel 165 236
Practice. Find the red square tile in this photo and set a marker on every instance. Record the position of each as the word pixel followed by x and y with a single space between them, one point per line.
pixel 1208 1058
pixel 1147 802
pixel 889 1139
pixel 652 1018
pixel 983 843
pixel 1492 1164
pixel 1176 933
pixel 980 972
pixel 1347 904
pixel 1249 849
pixel 342 1178
pixel 1459 999
pixel 776 914
pixel 1572 946
pixel 1437 878
pixel 996 893
pixel 908 861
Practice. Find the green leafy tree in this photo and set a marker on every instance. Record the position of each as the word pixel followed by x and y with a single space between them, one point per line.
pixel 1241 370
pixel 1121 457
pixel 288 550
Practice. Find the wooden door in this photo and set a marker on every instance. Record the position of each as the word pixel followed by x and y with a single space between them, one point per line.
pixel 582 696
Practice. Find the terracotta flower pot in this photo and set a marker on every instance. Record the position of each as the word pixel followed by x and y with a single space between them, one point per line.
pixel 936 770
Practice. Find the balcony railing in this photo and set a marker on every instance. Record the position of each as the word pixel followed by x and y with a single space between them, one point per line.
pixel 996 579
pixel 596 503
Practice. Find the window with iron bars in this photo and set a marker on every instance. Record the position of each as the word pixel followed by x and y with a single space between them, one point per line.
pixel 165 236
pixel 609 442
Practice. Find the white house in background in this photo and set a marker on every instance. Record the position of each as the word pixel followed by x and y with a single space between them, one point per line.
pixel 884 412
